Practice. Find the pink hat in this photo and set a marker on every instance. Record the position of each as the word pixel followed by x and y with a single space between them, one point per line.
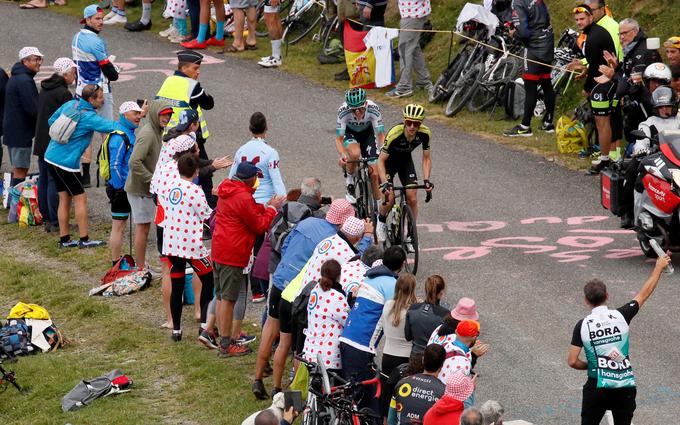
pixel 466 309
pixel 339 211
pixel 459 386
pixel 353 227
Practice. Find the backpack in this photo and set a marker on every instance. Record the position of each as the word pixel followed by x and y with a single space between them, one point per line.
pixel 15 339
pixel 123 267
pixel 104 156
pixel 125 285
pixel 63 127
pixel 514 99
pixel 290 214
pixel 85 392
pixel 299 307
pixel 27 207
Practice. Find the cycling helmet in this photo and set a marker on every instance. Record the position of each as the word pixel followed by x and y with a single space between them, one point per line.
pixel 355 98
pixel 414 112
pixel 658 71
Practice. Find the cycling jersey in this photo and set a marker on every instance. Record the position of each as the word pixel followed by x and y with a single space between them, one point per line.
pixel 90 54
pixel 604 337
pixel 347 119
pixel 598 41
pixel 396 143
pixel 266 159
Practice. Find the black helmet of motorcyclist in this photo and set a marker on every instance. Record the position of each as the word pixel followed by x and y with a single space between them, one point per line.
pixel 665 102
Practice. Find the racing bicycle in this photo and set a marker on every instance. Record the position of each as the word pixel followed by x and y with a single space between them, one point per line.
pixel 364 202
pixel 402 228
pixel 303 17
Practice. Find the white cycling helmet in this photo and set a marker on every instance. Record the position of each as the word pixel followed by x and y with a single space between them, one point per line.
pixel 658 71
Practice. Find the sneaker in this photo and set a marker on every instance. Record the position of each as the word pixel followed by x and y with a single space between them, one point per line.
pixel 397 94
pixel 548 127
pixel 193 45
pixel 233 350
pixel 212 41
pixel 178 38
pixel 351 198
pixel 428 88
pixel 518 131
pixel 68 244
pixel 117 19
pixel 169 32
pixel 259 391
pixel 154 274
pixel 109 15
pixel 208 339
pixel 244 339
pixel 626 222
pixel 176 336
pixel 138 26
pixel 598 167
pixel 90 244
pixel 258 298
pixel 270 62
pixel 381 231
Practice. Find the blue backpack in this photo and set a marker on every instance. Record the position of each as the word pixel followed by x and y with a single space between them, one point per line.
pixel 15 339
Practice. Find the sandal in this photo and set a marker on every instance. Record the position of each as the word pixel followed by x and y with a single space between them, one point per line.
pixel 230 49
pixel 31 6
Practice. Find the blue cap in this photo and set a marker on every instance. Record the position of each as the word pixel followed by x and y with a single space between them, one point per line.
pixel 186 118
pixel 246 170
pixel 90 11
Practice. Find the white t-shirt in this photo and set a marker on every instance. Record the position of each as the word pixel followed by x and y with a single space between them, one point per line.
pixel 380 40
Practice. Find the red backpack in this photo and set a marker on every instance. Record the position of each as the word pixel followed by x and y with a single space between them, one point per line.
pixel 123 267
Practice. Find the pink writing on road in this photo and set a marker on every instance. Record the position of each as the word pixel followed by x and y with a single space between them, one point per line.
pixel 579 244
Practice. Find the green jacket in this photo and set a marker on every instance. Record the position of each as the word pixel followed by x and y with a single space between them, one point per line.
pixel 146 151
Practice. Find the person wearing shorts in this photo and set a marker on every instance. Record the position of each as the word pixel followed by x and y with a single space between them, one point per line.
pixel 359 133
pixel 64 163
pixel 243 9
pixel 275 29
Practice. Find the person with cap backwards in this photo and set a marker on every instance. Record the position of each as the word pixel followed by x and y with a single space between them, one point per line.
pixel 340 247
pixel 95 66
pixel 142 165
pixel 120 145
pixel 604 336
pixel 239 219
pixel 296 250
pixel 54 93
pixel 21 109
pixel 362 332
pixel 183 91
pixel 64 163
pixel 184 210
pixel 672 47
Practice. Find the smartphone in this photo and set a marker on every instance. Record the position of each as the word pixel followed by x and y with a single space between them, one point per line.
pixel 141 102
pixel 293 398
pixel 326 200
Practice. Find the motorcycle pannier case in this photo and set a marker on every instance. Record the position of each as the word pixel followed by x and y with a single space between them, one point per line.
pixel 611 183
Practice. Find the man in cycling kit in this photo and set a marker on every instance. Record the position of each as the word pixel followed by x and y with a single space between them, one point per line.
pixel 395 158
pixel 604 336
pixel 359 125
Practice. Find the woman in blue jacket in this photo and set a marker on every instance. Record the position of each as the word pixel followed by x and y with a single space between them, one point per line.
pixel 64 163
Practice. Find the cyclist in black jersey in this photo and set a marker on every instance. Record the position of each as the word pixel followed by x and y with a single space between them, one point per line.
pixel 395 159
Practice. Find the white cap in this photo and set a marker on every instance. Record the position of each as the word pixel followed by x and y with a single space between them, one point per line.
pixel 62 65
pixel 29 51
pixel 129 106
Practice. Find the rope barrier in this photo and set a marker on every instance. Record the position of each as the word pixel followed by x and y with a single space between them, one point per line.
pixel 474 40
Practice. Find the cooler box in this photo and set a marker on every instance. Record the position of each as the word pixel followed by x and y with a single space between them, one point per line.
pixel 611 186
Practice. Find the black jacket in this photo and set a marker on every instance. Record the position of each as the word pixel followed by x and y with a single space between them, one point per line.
pixel 54 93
pixel 421 320
pixel 532 23
pixel 21 107
pixel 639 56
pixel 3 84
pixel 598 41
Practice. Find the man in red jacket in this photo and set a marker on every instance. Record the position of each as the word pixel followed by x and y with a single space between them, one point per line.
pixel 238 220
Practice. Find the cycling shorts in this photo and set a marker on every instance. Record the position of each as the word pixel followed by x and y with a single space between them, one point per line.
pixel 366 140
pixel 120 207
pixel 534 71
pixel 273 302
pixel 603 99
pixel 401 165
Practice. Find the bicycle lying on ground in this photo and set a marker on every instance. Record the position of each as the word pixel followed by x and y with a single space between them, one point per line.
pixel 364 202
pixel 303 17
pixel 336 405
pixel 402 227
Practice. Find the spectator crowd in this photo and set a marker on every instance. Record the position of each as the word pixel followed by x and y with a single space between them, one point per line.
pixel 329 293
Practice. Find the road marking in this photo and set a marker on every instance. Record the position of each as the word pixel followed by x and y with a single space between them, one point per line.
pixel 520 422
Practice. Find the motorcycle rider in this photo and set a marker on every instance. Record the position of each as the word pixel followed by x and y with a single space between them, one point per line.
pixel 665 104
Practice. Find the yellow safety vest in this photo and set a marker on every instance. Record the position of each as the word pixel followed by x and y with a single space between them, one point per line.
pixel 177 91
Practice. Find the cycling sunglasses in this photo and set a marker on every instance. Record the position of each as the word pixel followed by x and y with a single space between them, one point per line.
pixel 582 9
pixel 410 123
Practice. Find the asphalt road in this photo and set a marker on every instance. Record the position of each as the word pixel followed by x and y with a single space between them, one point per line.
pixel 526 275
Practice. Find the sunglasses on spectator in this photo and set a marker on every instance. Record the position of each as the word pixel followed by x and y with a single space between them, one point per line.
pixel 581 9
pixel 409 123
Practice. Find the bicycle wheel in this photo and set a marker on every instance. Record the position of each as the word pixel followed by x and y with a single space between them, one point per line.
pixel 330 32
pixel 483 96
pixel 361 205
pixel 462 91
pixel 409 234
pixel 490 87
pixel 392 225
pixel 261 29
pixel 441 91
pixel 302 22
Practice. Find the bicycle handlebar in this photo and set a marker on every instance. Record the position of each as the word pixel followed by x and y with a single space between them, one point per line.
pixel 362 160
pixel 428 196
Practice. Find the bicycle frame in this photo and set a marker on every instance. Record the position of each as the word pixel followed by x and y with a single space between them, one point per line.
pixel 365 202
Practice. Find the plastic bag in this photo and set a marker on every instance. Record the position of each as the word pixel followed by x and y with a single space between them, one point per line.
pixel 301 380
pixel 571 135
